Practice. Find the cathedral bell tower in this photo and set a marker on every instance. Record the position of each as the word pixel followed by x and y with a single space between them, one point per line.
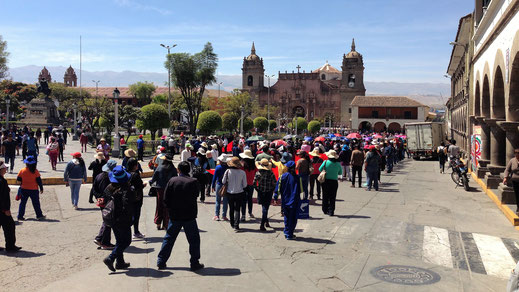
pixel 352 83
pixel 253 72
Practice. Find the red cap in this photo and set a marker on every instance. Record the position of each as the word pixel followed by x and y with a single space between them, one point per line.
pixel 76 155
pixel 181 134
pixel 371 147
pixel 140 136
pixel 162 149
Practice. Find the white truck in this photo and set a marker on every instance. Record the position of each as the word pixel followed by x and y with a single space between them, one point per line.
pixel 424 138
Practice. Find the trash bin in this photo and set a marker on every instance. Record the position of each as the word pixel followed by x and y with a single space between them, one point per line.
pixel 123 148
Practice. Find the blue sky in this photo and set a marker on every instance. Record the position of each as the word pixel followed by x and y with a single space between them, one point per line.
pixel 401 40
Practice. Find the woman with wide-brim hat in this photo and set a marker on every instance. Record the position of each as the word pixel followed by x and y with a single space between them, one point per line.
pixel 316 160
pixel 250 171
pixel 236 181
pixel 123 195
pixel 330 185
pixel 264 182
pixel 30 180
pixel 96 167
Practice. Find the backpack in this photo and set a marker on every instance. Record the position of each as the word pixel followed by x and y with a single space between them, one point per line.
pixel 199 172
pixel 109 213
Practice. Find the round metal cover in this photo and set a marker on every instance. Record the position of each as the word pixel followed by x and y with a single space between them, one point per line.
pixel 405 275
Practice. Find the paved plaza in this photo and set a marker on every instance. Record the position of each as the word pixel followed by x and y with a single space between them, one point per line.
pixel 417 219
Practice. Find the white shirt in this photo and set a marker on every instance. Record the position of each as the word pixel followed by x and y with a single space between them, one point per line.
pixel 185 155
pixel 237 180
pixel 214 154
pixel 171 142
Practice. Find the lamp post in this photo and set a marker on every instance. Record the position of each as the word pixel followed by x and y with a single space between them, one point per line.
pixel 96 82
pixel 115 150
pixel 169 80
pixel 74 107
pixel 219 83
pixel 268 102
pixel 8 101
pixel 241 119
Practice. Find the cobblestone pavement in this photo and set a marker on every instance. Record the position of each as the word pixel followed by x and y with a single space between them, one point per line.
pixel 417 218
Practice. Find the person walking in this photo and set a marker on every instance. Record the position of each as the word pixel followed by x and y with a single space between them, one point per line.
pixel 180 198
pixel 140 148
pixel 30 180
pixel 265 183
pixel 32 145
pixel 388 153
pixel 345 159
pixel 120 191
pixel 303 170
pixel 104 148
pixel 250 169
pixel 216 185
pixel 38 136
pixel 357 160
pixel 333 169
pixel 101 181
pixel 161 177
pixel 289 188
pixel 9 148
pixel 138 186
pixel 75 175
pixel 61 148
pixel 83 140
pixel 236 181
pixel 316 164
pixel 53 151
pixel 6 220
pixel 200 167
pixel 371 166
pixel 442 156
pixel 512 174
pixel 96 167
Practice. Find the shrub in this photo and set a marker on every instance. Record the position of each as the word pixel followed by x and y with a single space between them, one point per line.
pixel 209 122
pixel 314 126
pixel 261 124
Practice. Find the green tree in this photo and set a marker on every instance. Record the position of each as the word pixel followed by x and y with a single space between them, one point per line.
pixel 314 126
pixel 248 124
pixel 230 121
pixel 191 74
pixel 237 99
pixel 261 124
pixel 107 123
pixel 143 91
pixel 4 54
pixel 153 117
pixel 302 124
pixel 18 90
pixel 273 124
pixel 128 115
pixel 263 112
pixel 209 122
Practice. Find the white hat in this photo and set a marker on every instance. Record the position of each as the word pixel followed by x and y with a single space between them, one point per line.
pixel 4 165
pixel 247 154
pixel 224 158
pixel 201 151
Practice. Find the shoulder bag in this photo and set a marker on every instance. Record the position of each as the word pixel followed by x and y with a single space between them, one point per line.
pixel 322 176
pixel 222 192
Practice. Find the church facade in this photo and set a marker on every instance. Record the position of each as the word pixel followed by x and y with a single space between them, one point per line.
pixel 325 93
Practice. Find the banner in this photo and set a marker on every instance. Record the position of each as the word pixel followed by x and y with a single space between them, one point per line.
pixel 475 148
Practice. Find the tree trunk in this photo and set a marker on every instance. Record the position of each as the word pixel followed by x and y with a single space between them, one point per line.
pixel 153 135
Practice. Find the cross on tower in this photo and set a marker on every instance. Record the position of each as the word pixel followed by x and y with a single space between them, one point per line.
pixel 298 67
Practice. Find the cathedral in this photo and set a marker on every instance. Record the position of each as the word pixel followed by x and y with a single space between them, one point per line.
pixel 325 93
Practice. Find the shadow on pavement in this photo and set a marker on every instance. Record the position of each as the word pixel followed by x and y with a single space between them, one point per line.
pixel 389 190
pixel 314 240
pixel 88 209
pixel 134 249
pixel 24 254
pixel 352 217
pixel 146 272
pixel 43 220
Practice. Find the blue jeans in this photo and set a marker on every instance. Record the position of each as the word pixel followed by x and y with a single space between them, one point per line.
pixel 10 160
pixel 389 163
pixel 193 238
pixel 247 201
pixel 123 239
pixel 35 199
pixel 304 183
pixel 372 178
pixel 290 213
pixel 265 213
pixel 75 186
pixel 219 202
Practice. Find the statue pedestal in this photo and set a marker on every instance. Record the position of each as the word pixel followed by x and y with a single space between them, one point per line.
pixel 482 169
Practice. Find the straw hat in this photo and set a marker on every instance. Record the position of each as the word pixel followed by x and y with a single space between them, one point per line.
pixel 130 153
pixel 204 145
pixel 167 157
pixel 247 154
pixel 214 146
pixel 201 151
pixel 332 154
pixel 99 155
pixel 234 162
pixel 315 152
pixel 224 158
pixel 264 164
pixel 102 140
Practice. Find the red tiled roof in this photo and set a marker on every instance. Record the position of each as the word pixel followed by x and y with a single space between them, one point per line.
pixel 389 101
pixel 125 91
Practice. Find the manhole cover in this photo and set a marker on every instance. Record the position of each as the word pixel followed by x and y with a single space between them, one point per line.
pixel 405 275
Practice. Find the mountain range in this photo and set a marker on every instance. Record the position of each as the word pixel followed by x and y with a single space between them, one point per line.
pixel 433 94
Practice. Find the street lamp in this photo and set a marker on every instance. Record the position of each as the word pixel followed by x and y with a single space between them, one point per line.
pixel 74 107
pixel 219 83
pixel 8 101
pixel 169 79
pixel 241 120
pixel 268 102
pixel 115 150
pixel 96 82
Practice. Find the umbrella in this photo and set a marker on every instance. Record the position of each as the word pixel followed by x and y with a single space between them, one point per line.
pixel 377 136
pixel 307 138
pixel 255 138
pixel 288 137
pixel 354 136
pixel 367 138
pixel 331 136
pixel 319 139
pixel 280 142
pixel 338 135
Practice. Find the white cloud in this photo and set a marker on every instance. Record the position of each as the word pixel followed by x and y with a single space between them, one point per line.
pixel 138 6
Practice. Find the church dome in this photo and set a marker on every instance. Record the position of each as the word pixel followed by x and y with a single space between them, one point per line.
pixel 253 56
pixel 327 68
pixel 353 53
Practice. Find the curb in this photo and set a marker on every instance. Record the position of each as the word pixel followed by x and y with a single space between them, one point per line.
pixel 510 215
pixel 59 180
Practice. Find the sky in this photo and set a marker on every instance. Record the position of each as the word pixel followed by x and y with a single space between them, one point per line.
pixel 400 40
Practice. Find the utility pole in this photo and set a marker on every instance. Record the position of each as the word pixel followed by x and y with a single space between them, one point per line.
pixel 268 103
pixel 115 150
pixel 241 120
pixel 169 79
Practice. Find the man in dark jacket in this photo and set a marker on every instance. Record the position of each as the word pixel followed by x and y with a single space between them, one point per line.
pixel 101 181
pixel 6 220
pixel 180 198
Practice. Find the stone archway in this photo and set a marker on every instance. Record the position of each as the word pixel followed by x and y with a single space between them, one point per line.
pixel 365 126
pixel 379 127
pixel 394 128
pixel 485 98
pixel 498 96
pixel 513 94
pixel 298 111
pixel 498 138
pixel 477 100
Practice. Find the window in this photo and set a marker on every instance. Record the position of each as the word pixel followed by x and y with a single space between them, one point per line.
pixel 407 115
pixel 298 96
pixel 323 77
pixel 349 110
pixel 374 114
pixel 249 80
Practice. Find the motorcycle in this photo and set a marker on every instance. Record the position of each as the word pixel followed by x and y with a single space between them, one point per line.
pixel 459 173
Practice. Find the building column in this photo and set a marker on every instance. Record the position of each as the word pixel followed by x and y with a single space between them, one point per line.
pixel 506 193
pixel 485 147
pixel 497 150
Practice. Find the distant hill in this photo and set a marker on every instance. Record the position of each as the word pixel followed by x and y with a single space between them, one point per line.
pixel 426 93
